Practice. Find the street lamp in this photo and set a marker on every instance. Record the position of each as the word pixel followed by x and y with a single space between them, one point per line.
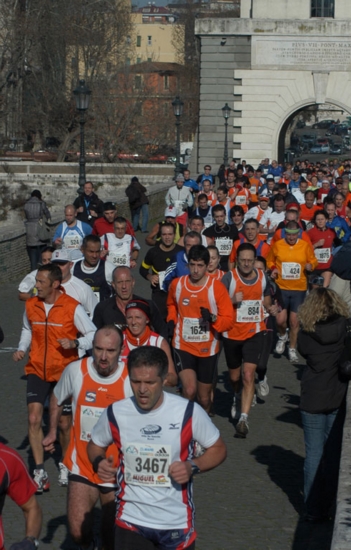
pixel 226 114
pixel 177 105
pixel 82 96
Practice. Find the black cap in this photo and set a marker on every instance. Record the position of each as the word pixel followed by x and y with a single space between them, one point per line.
pixel 109 206
pixel 134 179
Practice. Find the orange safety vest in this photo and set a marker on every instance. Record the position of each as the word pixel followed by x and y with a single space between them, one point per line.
pixel 47 359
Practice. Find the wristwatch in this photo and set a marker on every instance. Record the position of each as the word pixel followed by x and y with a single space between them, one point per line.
pixel 76 343
pixel 194 468
pixel 33 540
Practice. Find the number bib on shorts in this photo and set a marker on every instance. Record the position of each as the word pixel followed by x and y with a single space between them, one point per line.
pixel 88 418
pixel 224 246
pixel 250 311
pixel 323 255
pixel 240 200
pixel 147 465
pixel 195 330
pixel 72 240
pixel 291 270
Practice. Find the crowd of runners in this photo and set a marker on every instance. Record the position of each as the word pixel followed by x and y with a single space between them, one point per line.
pixel 230 262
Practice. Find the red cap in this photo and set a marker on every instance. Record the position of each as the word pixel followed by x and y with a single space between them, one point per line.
pixel 292 206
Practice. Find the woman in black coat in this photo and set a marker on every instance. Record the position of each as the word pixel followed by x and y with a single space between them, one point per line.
pixel 323 317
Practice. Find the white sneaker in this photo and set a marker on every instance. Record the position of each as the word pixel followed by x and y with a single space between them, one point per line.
pixel 262 387
pixel 41 479
pixel 63 475
pixel 236 406
pixel 293 358
pixel 280 346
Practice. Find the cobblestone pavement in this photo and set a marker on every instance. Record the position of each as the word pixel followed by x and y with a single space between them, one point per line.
pixel 251 502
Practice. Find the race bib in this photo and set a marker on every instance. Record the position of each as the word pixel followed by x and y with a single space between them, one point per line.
pixel 240 200
pixel 72 241
pixel 88 418
pixel 323 255
pixel 195 330
pixel 147 465
pixel 224 246
pixel 118 259
pixel 253 189
pixel 249 311
pixel 291 270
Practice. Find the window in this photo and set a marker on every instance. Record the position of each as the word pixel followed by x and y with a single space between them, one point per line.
pixel 149 40
pixel 139 109
pixel 138 59
pixel 108 67
pixel 166 82
pixel 149 59
pixel 137 82
pixel 128 61
pixel 138 41
pixel 322 8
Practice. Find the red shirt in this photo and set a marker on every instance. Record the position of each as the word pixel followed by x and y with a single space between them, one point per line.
pixel 323 252
pixel 15 481
pixel 102 226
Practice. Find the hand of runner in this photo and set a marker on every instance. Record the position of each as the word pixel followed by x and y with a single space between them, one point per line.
pixel 65 343
pixel 274 273
pixel 206 315
pixel 180 472
pixel 308 267
pixel 106 470
pixel 49 442
pixel 18 355
pixel 238 297
pixel 154 280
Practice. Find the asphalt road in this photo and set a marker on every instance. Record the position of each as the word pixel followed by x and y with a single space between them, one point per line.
pixel 251 502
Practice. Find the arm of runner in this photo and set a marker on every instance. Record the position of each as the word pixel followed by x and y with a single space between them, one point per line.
pixel 25 340
pixel 172 304
pixel 181 471
pixel 171 378
pixel 151 238
pixel 224 313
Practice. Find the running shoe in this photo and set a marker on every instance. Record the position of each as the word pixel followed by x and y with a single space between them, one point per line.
pixel 63 475
pixel 262 387
pixel 94 545
pixel 236 406
pixel 242 428
pixel 293 358
pixel 41 479
pixel 280 346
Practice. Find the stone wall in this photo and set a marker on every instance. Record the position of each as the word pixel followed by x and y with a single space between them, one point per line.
pixel 14 262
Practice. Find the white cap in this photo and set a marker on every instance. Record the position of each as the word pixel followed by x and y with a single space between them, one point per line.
pixel 60 256
pixel 170 212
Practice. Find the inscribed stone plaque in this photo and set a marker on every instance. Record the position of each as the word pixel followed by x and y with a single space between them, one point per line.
pixel 300 53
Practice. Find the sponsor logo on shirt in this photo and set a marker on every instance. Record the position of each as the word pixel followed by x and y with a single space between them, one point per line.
pixel 90 396
pixel 132 450
pixel 151 429
pixel 102 389
pixel 174 426
pixel 186 301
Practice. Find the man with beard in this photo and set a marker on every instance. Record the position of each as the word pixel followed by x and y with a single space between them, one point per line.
pixel 223 234
pixel 155 263
pixel 105 224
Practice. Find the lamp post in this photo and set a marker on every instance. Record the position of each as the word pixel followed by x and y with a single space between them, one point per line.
pixel 226 114
pixel 82 96
pixel 177 105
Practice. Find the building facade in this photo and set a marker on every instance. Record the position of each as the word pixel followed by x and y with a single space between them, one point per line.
pixel 278 58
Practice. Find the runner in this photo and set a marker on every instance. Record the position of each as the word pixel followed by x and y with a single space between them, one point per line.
pixel 155 264
pixel 223 235
pixel 290 260
pixel 252 236
pixel 243 342
pixel 154 500
pixel 323 239
pixel 93 383
pixel 198 309
pixel 213 266
pixel 119 248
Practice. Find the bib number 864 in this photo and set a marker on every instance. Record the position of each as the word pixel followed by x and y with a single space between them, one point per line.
pixel 253 310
